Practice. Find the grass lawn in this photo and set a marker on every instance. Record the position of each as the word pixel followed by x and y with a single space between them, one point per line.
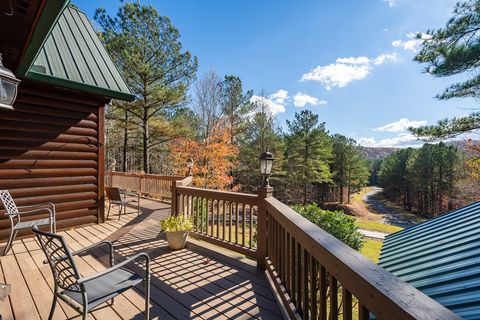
pixel 376 226
pixel 358 197
pixel 371 249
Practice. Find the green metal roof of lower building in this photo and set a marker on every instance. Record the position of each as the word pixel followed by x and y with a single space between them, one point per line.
pixel 73 57
pixel 441 257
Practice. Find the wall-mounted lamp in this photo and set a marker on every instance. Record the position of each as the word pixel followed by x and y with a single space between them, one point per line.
pixel 8 87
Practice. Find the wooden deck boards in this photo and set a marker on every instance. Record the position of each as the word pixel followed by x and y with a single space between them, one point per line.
pixel 194 283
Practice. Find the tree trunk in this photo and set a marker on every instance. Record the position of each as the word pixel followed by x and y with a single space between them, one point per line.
pixel 125 142
pixel 146 162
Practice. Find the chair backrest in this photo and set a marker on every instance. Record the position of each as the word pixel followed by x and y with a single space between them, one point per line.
pixel 113 194
pixel 8 203
pixel 60 259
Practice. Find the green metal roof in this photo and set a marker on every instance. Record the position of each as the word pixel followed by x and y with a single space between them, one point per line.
pixel 441 257
pixel 73 56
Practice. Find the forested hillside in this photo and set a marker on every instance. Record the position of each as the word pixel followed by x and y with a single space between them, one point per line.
pixel 429 180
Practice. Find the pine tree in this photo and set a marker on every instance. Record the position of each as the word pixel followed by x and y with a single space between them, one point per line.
pixel 308 151
pixel 449 51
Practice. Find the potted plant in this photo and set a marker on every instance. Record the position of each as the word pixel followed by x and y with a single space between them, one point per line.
pixel 176 228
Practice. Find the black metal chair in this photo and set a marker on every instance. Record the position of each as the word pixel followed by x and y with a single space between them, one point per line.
pixel 15 212
pixel 86 293
pixel 119 196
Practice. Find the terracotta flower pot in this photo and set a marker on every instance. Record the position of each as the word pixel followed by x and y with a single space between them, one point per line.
pixel 177 239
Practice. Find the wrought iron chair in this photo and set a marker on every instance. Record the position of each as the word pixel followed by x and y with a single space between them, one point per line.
pixel 119 196
pixel 15 212
pixel 86 293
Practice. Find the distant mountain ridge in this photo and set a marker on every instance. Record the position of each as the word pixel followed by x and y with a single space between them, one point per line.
pixel 380 153
pixel 377 153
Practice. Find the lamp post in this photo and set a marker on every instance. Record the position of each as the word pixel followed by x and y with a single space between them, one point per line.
pixel 8 87
pixel 266 163
pixel 264 192
pixel 190 167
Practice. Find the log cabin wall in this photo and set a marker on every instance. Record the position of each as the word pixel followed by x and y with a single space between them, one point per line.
pixel 51 150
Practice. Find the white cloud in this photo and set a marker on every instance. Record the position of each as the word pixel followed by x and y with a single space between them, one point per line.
pixel 403 140
pixel 413 43
pixel 401 125
pixel 385 57
pixel 345 70
pixel 302 99
pixel 274 102
pixel 280 96
pixel 391 3
pixel 353 60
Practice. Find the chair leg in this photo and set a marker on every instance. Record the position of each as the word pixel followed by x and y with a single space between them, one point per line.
pixel 147 298
pixel 85 307
pixel 54 303
pixel 13 234
pixel 120 211
pixel 109 207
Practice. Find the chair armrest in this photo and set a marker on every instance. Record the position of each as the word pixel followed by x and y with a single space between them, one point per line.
pixel 49 204
pixel 86 249
pixel 36 210
pixel 129 193
pixel 97 245
pixel 50 207
pixel 120 265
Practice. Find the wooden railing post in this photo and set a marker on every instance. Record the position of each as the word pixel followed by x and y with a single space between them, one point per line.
pixel 263 193
pixel 174 198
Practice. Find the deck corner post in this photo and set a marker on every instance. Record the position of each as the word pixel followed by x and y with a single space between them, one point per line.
pixel 174 198
pixel 263 193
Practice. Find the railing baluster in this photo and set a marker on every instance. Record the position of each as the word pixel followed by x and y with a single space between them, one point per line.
pixel 202 202
pixel 230 221
pixel 236 223
pixel 347 304
pixel 363 313
pixel 323 293
pixel 306 272
pixel 313 288
pixel 251 226
pixel 293 294
pixel 210 212
pixel 298 259
pixel 244 223
pixel 288 277
pixel 217 231
pixel 333 297
pixel 279 249
pixel 224 224
pixel 197 200
pixel 282 254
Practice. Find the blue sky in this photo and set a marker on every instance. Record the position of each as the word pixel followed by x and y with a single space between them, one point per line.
pixel 348 61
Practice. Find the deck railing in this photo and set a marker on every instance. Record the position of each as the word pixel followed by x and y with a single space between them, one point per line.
pixel 315 275
pixel 228 219
pixel 154 185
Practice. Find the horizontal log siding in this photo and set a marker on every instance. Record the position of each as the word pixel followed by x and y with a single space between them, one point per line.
pixel 49 149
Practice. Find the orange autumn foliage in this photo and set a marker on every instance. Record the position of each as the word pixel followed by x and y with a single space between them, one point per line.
pixel 473 159
pixel 212 158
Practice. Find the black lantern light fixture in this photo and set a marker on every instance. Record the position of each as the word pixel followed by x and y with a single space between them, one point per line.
pixel 190 167
pixel 8 87
pixel 266 163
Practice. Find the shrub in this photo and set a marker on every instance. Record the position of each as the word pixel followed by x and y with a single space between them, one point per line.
pixel 337 223
pixel 176 223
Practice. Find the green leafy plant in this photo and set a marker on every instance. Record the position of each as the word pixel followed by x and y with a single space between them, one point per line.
pixel 337 223
pixel 176 223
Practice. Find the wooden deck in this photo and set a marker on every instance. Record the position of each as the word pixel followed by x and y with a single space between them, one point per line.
pixel 199 282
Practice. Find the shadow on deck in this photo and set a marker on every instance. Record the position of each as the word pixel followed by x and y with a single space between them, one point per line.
pixel 199 282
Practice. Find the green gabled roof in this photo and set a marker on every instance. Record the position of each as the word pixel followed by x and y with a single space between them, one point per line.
pixel 441 257
pixel 73 57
